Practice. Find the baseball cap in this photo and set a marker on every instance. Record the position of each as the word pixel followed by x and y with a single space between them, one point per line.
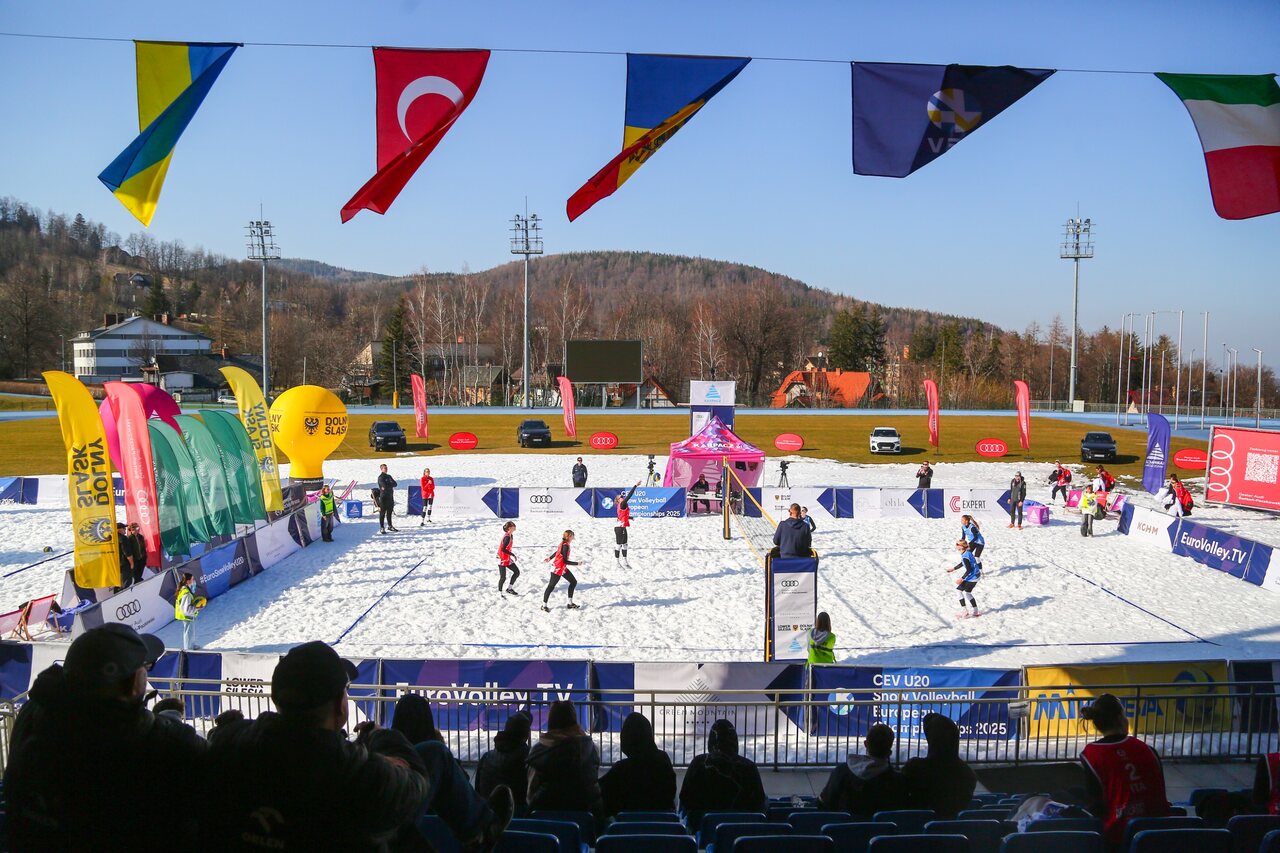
pixel 101 657
pixel 310 675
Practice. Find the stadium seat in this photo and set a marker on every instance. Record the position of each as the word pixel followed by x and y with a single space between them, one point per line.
pixel 976 803
pixel 657 827
pixel 1181 840
pixel 919 844
pixel 811 822
pixel 975 814
pixel 1248 830
pixel 780 813
pixel 608 843
pixel 1138 824
pixel 984 835
pixel 1270 843
pixel 1066 824
pixel 648 817
pixel 1052 842
pixel 784 844
pixel 585 820
pixel 707 827
pixel 439 834
pixel 855 837
pixel 728 833
pixel 909 821
pixel 513 841
pixel 567 832
pixel 1198 795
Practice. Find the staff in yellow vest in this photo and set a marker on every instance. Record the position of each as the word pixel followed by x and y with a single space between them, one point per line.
pixel 822 643
pixel 328 509
pixel 186 607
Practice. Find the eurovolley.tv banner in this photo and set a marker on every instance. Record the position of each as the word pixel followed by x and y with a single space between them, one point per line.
pixel 458 704
pixel 861 696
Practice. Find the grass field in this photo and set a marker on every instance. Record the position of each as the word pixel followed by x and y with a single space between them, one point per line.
pixel 31 447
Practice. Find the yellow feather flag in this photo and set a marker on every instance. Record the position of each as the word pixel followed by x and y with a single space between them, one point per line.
pixel 93 500
pixel 257 422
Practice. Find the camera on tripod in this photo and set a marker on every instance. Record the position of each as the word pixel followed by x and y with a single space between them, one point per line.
pixel 783 482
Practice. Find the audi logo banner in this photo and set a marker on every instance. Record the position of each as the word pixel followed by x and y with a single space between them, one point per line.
pixel 563 502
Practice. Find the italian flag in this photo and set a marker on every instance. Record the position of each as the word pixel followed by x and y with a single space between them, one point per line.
pixel 1238 119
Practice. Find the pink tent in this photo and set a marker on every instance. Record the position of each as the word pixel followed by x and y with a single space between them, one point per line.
pixel 705 453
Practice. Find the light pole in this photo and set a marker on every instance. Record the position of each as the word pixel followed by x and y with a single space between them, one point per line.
pixel 526 239
pixel 1235 380
pixel 1162 355
pixel 1077 243
pixel 62 353
pixel 262 247
pixel 1257 406
pixel 1190 377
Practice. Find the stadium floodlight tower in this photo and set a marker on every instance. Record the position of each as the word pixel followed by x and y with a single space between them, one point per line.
pixel 1077 244
pixel 262 247
pixel 526 239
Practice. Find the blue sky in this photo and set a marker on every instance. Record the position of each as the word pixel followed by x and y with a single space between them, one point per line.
pixel 761 176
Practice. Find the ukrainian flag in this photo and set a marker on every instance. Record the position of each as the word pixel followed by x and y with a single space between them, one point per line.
pixel 172 82
pixel 663 93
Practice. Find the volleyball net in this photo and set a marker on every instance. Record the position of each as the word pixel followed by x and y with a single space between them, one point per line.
pixel 744 517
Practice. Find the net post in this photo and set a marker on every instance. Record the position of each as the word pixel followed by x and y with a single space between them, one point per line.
pixel 724 494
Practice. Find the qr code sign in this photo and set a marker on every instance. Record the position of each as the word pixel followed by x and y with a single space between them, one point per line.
pixel 1261 467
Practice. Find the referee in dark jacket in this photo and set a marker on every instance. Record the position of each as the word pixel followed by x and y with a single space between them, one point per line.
pixel 1017 495
pixel 793 537
pixel 386 500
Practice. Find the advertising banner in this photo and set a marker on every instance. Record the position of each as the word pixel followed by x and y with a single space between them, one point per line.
pixel 195 510
pixel 457 705
pixel 174 535
pixel 1194 703
pixel 1153 466
pixel 566 403
pixel 1148 526
pixel 257 425
pixel 249 685
pixel 535 503
pixel 700 415
pixel 465 501
pixel 239 465
pixel 25 490
pixel 419 405
pixel 793 605
pixel 1244 467
pixel 931 398
pixel 714 393
pixel 210 475
pixel 136 466
pixel 866 502
pixel 647 502
pixel 1260 566
pixel 146 607
pixel 1216 549
pixel 271 544
pixel 1022 401
pixel 901 697
pixel 821 502
pixel 900 503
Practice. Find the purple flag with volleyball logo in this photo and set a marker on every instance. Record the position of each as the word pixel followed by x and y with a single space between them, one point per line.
pixel 1157 453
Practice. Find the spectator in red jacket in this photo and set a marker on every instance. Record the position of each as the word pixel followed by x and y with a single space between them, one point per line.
pixel 1123 776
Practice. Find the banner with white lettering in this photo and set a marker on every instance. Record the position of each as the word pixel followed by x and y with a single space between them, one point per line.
pixel 463 501
pixel 1147 526
pixel 793 605
pixel 714 393
pixel 535 503
pixel 777 501
pixel 652 502
pixel 701 683
pixel 146 607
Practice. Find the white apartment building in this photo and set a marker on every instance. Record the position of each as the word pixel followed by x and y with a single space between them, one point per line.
pixel 122 346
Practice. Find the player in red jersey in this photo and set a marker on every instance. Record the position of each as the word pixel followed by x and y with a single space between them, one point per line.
pixel 623 506
pixel 507 560
pixel 428 484
pixel 561 569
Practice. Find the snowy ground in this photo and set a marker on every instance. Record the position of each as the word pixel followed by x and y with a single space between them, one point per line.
pixel 1048 595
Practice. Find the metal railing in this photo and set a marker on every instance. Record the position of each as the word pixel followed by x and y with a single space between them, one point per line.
pixel 812 728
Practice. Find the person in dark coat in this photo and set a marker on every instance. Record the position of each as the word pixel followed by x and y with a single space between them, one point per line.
pixel 137 548
pixel 579 474
pixel 940 781
pixel 292 781
pixel 1017 497
pixel 126 556
pixel 866 784
pixel 84 740
pixel 924 476
pixel 644 781
pixel 386 500
pixel 720 780
pixel 413 719
pixel 505 763
pixel 564 765
pixel 793 537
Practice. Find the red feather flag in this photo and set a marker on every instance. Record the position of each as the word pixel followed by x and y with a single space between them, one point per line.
pixel 419 405
pixel 931 397
pixel 1022 398
pixel 420 94
pixel 570 412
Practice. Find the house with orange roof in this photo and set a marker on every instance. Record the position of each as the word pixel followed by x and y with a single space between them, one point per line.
pixel 814 389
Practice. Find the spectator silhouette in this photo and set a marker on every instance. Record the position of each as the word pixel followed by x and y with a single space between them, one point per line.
pixel 1123 776
pixel 644 780
pixel 866 784
pixel 413 719
pixel 940 781
pixel 720 779
pixel 564 765
pixel 505 763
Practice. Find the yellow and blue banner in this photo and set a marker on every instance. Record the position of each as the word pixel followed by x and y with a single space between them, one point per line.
pixel 173 79
pixel 257 423
pixel 93 500
pixel 663 93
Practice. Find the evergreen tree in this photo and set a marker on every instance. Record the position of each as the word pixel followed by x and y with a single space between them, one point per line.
pixel 843 349
pixel 874 344
pixel 157 302
pixel 395 361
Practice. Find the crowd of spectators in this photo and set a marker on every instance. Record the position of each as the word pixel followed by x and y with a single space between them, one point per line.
pixel 294 779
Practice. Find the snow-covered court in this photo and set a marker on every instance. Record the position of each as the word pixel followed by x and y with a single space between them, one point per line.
pixel 1047 594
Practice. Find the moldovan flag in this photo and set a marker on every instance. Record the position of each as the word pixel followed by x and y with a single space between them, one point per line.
pixel 931 398
pixel 566 402
pixel 419 405
pixel 907 116
pixel 420 94
pixel 257 423
pixel 1238 119
pixel 93 500
pixel 663 93
pixel 173 80
pixel 1022 399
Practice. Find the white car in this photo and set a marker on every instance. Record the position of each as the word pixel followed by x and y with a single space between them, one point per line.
pixel 885 440
pixel 227 400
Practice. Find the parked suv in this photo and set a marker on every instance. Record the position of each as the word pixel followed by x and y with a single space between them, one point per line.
pixel 384 435
pixel 1097 445
pixel 533 432
pixel 885 440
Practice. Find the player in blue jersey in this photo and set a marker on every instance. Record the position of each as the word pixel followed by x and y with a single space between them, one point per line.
pixel 972 574
pixel 971 535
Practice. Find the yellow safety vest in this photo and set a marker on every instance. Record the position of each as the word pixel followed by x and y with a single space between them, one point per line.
pixel 183 592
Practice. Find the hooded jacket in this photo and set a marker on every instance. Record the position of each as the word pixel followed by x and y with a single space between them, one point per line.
pixel 793 538
pixel 720 779
pixel 941 781
pixel 863 786
pixel 564 767
pixel 643 781
pixel 505 765
pixel 72 755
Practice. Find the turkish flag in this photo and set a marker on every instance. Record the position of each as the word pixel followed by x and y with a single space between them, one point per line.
pixel 420 94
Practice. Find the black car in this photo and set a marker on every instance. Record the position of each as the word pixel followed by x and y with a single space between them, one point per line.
pixel 533 432
pixel 1097 445
pixel 384 435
